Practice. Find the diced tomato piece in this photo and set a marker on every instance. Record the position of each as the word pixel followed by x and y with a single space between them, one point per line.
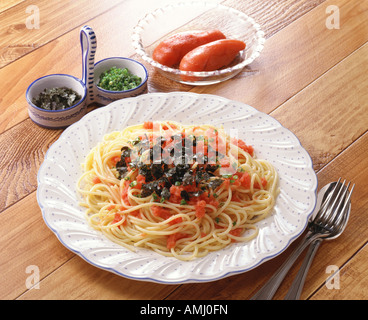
pixel 171 239
pixel 96 180
pixel 124 194
pixel 263 181
pixel 110 207
pixel 165 214
pixel 200 209
pixel 148 125
pixel 140 180
pixel 245 180
pixel 242 145
pixel 213 202
pixel 175 221
pixel 161 212
pixel 118 217
pixel 236 232
pixel 235 198
pixel 175 191
pixel 115 160
pixel 136 213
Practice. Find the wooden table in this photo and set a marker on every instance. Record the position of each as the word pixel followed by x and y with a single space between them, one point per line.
pixel 310 77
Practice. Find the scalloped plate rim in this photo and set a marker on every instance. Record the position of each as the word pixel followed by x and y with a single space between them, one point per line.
pixel 150 278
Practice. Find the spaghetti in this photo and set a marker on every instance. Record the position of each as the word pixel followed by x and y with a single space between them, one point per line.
pixel 182 191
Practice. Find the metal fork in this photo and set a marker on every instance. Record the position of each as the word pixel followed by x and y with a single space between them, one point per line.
pixel 298 283
pixel 321 226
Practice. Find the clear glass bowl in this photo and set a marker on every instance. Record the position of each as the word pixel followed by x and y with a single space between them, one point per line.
pixel 164 22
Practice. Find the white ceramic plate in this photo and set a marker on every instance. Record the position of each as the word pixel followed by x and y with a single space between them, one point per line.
pixel 58 175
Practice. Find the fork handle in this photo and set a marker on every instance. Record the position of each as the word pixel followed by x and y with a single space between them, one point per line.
pixel 269 289
pixel 298 283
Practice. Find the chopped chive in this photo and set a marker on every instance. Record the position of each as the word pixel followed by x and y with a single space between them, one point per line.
pixel 133 184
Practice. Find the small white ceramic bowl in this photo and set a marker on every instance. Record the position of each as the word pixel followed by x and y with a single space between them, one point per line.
pixel 56 119
pixel 103 96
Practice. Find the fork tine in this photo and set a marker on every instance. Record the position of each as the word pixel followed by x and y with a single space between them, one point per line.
pixel 326 204
pixel 337 213
pixel 341 224
pixel 335 208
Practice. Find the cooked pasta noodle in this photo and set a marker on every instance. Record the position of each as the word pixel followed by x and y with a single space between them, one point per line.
pixel 182 191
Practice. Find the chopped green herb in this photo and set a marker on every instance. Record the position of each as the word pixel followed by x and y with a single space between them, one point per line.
pixel 133 184
pixel 217 219
pixel 183 202
pixel 56 99
pixel 116 79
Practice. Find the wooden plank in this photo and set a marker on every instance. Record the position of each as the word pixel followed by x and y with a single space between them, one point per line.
pixel 295 57
pixel 346 164
pixel 330 108
pixel 25 241
pixel 274 15
pixel 93 284
pixel 53 283
pixel 19 161
pixel 63 55
pixel 335 252
pixel 333 91
pixel 5 5
pixel 55 60
pixel 350 282
pixel 21 33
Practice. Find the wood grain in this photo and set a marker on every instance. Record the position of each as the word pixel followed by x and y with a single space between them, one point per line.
pixel 308 77
pixel 54 60
pixel 330 108
pixel 94 284
pixel 350 282
pixel 295 57
pixel 22 154
pixel 55 19
pixel 336 252
pixel 5 5
pixel 26 242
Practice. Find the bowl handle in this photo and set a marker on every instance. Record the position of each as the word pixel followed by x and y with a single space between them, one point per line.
pixel 88 42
